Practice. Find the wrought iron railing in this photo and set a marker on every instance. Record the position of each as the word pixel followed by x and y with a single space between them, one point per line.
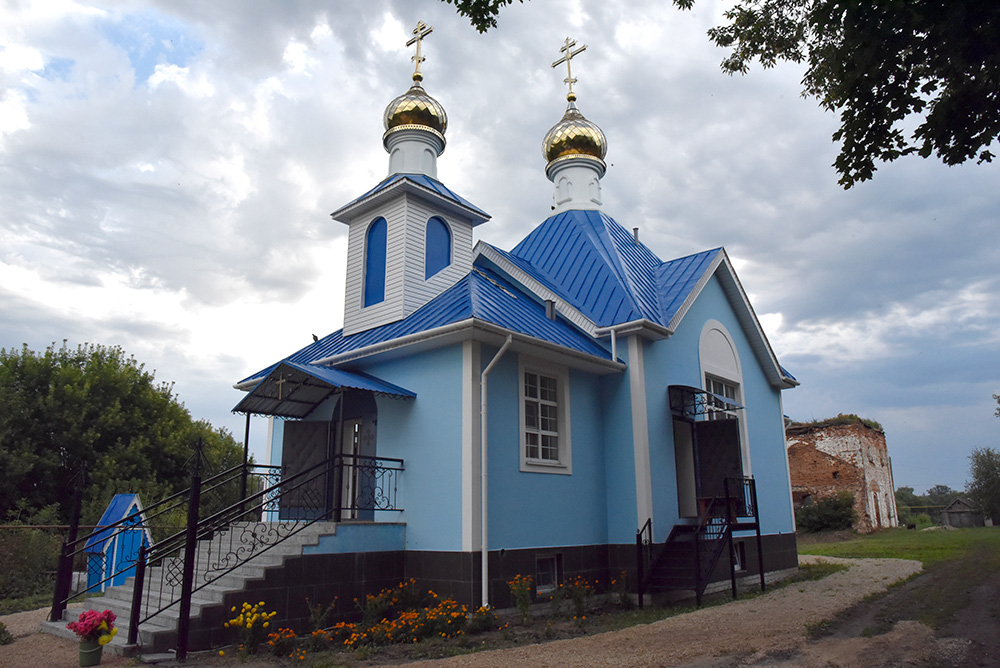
pixel 718 518
pixel 643 556
pixel 218 490
pixel 170 571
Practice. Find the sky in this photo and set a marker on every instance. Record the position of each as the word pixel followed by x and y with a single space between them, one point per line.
pixel 167 170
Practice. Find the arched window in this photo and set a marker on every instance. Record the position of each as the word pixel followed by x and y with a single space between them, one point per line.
pixel 375 261
pixel 437 254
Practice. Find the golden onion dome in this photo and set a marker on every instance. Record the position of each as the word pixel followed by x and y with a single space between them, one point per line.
pixel 415 108
pixel 574 135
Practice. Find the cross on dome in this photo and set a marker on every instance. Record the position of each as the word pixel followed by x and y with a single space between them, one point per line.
pixel 422 30
pixel 569 52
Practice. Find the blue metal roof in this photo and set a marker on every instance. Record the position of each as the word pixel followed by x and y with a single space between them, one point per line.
pixel 119 508
pixel 677 278
pixel 293 390
pixel 420 180
pixel 595 264
pixel 482 294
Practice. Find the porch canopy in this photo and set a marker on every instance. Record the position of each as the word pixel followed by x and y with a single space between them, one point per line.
pixel 691 402
pixel 293 390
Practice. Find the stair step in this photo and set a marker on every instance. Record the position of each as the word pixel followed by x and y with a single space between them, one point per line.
pixel 159 631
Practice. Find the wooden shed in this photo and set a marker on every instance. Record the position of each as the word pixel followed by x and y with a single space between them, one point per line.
pixel 961 513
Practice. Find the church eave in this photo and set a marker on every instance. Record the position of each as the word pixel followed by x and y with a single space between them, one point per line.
pixel 485 331
pixel 404 184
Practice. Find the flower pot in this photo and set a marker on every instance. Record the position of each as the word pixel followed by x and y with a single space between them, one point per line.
pixel 90 652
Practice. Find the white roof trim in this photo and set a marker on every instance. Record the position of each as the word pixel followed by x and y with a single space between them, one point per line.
pixel 436 199
pixel 468 326
pixel 531 284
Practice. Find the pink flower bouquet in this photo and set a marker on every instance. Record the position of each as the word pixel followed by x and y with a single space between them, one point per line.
pixel 95 626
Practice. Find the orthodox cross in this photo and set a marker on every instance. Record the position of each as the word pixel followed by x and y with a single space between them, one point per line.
pixel 281 381
pixel 422 30
pixel 569 52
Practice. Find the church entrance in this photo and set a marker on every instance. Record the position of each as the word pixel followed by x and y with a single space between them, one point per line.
pixel 707 448
pixel 347 441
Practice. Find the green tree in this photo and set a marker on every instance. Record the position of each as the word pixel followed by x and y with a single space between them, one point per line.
pixel 94 409
pixel 984 487
pixel 481 13
pixel 881 64
pixel 835 513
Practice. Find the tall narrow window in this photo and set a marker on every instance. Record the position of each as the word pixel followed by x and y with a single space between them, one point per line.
pixel 375 250
pixel 541 417
pixel 437 253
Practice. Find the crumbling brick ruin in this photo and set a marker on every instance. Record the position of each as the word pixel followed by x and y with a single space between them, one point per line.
pixel 844 453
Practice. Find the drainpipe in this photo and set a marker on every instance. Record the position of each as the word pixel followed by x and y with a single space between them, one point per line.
pixel 484 520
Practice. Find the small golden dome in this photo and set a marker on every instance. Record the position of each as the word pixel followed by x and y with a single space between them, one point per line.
pixel 416 107
pixel 574 135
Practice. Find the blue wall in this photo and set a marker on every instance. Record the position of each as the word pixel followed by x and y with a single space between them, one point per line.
pixel 545 509
pixel 676 361
pixel 426 433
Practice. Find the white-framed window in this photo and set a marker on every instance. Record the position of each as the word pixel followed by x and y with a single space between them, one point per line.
pixel 545 434
pixel 547 573
pixel 719 410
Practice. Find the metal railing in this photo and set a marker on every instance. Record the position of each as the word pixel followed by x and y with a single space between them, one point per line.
pixel 170 571
pixel 718 518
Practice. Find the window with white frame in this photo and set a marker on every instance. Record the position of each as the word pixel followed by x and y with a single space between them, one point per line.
pixel 719 409
pixel 545 443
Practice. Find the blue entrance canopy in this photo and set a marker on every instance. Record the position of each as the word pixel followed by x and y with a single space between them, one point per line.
pixel 293 390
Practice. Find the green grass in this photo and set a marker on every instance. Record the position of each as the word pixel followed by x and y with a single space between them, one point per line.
pixel 927 547
pixel 955 562
pixel 9 606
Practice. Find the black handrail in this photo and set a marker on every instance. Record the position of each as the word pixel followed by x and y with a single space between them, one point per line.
pixel 643 545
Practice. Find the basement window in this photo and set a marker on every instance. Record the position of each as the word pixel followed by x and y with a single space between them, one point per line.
pixel 547 570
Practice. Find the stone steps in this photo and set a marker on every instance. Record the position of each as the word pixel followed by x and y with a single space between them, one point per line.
pixel 162 583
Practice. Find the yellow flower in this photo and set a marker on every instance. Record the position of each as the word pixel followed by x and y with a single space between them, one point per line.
pixel 221 653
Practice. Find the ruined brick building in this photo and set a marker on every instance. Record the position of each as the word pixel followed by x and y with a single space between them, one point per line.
pixel 844 453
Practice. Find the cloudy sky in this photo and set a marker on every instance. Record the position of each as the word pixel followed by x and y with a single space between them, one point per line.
pixel 167 169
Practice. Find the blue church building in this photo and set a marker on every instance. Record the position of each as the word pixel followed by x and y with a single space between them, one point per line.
pixel 537 408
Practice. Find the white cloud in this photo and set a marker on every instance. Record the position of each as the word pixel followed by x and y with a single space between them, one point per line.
pixel 194 85
pixel 13 113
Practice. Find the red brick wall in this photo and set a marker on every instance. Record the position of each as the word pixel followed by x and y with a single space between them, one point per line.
pixel 824 460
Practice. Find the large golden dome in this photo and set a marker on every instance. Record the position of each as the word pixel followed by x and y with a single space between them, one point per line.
pixel 415 108
pixel 574 136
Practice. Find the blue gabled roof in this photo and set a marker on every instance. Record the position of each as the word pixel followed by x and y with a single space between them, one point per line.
pixel 677 278
pixel 420 180
pixel 596 265
pixel 481 294
pixel 117 510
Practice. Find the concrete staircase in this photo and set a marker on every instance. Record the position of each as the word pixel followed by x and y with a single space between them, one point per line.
pixel 163 583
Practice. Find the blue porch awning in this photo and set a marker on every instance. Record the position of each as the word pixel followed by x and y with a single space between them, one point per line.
pixel 293 390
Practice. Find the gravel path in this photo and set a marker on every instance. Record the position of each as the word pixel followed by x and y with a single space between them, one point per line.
pixel 757 627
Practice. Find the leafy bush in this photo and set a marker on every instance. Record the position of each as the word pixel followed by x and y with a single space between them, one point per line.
pixel 5 637
pixel 830 514
pixel 520 589
pixel 29 557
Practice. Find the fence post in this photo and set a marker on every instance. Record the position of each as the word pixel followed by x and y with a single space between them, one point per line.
pixel 190 547
pixel 64 574
pixel 137 587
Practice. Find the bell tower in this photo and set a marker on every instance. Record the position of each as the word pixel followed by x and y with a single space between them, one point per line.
pixel 410 237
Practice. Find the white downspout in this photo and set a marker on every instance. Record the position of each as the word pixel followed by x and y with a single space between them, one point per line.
pixel 484 520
